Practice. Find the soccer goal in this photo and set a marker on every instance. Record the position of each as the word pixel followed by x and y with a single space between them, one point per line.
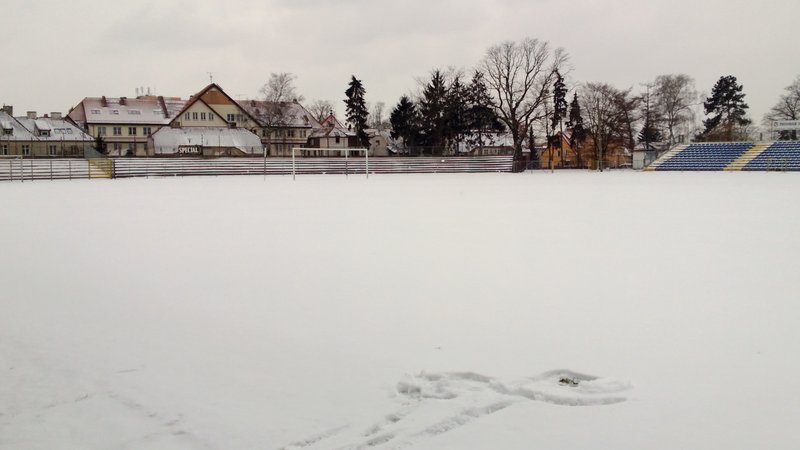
pixel 347 151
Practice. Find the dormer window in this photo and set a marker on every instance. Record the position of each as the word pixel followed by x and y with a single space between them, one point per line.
pixel 115 112
pixel 95 111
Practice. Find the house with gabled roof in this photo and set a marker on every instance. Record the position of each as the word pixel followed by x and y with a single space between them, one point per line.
pixel 210 124
pixel 48 136
pixel 283 125
pixel 125 124
pixel 331 137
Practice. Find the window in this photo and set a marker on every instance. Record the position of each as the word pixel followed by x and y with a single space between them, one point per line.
pixel 4 150
pixel 202 116
pixel 194 116
pixel 117 147
pixel 44 133
pixel 26 150
pixel 51 150
pixel 290 133
pixel 187 116
pixel 337 139
pixel 8 131
pixel 210 116
pixel 134 112
pixel 230 117
pixel 95 111
pixel 146 131
pixel 117 131
pixel 131 131
pixel 115 112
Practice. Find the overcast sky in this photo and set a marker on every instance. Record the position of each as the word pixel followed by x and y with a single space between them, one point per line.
pixel 56 52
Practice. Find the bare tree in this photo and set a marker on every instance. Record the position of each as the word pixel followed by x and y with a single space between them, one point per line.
pixel 376 115
pixel 787 108
pixel 675 97
pixel 601 103
pixel 519 74
pixel 628 110
pixel 280 88
pixel 276 92
pixel 321 109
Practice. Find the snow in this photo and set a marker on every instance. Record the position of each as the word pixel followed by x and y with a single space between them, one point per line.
pixel 570 310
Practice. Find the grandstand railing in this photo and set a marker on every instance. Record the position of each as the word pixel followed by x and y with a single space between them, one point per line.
pixel 44 169
pixel 57 168
pixel 142 167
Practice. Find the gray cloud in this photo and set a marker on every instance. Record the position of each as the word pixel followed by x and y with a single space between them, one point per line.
pixel 58 52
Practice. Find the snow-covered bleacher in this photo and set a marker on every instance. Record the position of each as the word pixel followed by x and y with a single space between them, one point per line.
pixel 706 156
pixel 781 155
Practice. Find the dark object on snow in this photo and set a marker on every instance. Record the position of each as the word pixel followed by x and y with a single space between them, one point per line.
pixel 568 381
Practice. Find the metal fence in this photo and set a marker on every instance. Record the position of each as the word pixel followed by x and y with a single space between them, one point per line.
pixel 53 169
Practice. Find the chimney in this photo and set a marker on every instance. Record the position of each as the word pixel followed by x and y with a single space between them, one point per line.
pixel 104 102
pixel 31 114
pixel 8 109
pixel 55 115
pixel 123 100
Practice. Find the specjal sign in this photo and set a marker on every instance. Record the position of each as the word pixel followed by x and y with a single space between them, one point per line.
pixel 190 150
pixel 783 125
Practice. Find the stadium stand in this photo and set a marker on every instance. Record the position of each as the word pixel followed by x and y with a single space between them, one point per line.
pixel 781 155
pixel 705 156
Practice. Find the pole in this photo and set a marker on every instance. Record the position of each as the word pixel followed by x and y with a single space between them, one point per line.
pixel 346 152
pixel 367 151
pixel 293 170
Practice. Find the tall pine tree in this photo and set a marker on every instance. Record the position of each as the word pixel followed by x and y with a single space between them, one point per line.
pixel 432 111
pixel 356 111
pixel 456 106
pixel 559 110
pixel 405 122
pixel 728 108
pixel 481 116
pixel 579 132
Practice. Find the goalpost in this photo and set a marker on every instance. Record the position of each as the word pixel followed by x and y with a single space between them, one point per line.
pixel 346 156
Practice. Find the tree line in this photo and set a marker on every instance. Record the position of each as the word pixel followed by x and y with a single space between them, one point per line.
pixel 519 88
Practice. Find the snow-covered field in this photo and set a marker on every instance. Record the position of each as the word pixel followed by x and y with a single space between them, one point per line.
pixel 404 311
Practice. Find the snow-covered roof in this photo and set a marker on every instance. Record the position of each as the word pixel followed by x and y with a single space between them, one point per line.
pixel 58 129
pixel 331 127
pixel 140 110
pixel 488 140
pixel 291 114
pixel 207 137
pixel 18 131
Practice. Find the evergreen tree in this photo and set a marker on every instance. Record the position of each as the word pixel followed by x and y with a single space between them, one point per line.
pixel 100 145
pixel 481 115
pixel 728 108
pixel 579 132
pixel 356 111
pixel 456 107
pixel 405 122
pixel 432 111
pixel 559 110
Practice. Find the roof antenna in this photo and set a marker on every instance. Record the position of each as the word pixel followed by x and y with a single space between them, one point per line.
pixel 210 77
